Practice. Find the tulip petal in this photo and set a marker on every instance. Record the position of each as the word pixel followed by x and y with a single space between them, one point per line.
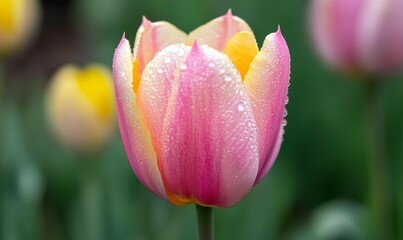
pixel 135 136
pixel 209 150
pixel 95 83
pixel 217 32
pixel 267 86
pixel 242 49
pixel 151 37
pixel 156 86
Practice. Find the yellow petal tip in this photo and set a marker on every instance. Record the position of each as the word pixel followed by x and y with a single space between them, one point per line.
pixel 241 49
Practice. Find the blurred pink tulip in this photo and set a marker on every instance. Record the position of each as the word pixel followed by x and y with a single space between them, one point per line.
pixel 364 36
pixel 194 127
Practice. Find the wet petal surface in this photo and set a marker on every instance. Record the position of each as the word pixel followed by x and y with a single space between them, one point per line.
pixel 135 136
pixel 267 86
pixel 208 152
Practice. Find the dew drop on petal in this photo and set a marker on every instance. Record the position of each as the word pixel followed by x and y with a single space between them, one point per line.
pixel 284 123
pixel 183 66
pixel 159 70
pixel 227 78
pixel 181 52
pixel 241 107
pixel 167 60
pixel 285 112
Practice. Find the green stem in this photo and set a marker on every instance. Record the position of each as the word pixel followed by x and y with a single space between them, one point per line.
pixel 91 199
pixel 205 222
pixel 379 183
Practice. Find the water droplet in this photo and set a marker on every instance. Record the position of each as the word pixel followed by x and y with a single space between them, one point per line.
pixel 183 66
pixel 286 100
pixel 167 60
pixel 159 70
pixel 211 65
pixel 285 112
pixel 241 107
pixel 227 78
pixel 284 123
pixel 222 71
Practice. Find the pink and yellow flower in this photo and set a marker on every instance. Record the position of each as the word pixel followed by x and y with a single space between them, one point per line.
pixel 80 107
pixel 201 115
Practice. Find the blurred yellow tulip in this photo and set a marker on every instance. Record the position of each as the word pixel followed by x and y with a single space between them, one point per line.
pixel 18 22
pixel 80 106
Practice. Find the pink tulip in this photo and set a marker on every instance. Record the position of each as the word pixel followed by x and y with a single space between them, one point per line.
pixel 194 127
pixel 364 36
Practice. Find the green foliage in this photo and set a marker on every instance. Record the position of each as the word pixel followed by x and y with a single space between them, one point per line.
pixel 47 192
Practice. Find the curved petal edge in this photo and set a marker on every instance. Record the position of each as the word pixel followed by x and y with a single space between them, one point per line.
pixel 218 31
pixel 135 136
pixel 266 83
pixel 152 37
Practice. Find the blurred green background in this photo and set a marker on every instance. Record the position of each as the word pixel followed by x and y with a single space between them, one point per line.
pixel 317 189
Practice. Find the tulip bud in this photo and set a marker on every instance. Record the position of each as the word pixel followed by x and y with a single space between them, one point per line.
pixel 80 107
pixel 361 36
pixel 18 22
pixel 201 115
